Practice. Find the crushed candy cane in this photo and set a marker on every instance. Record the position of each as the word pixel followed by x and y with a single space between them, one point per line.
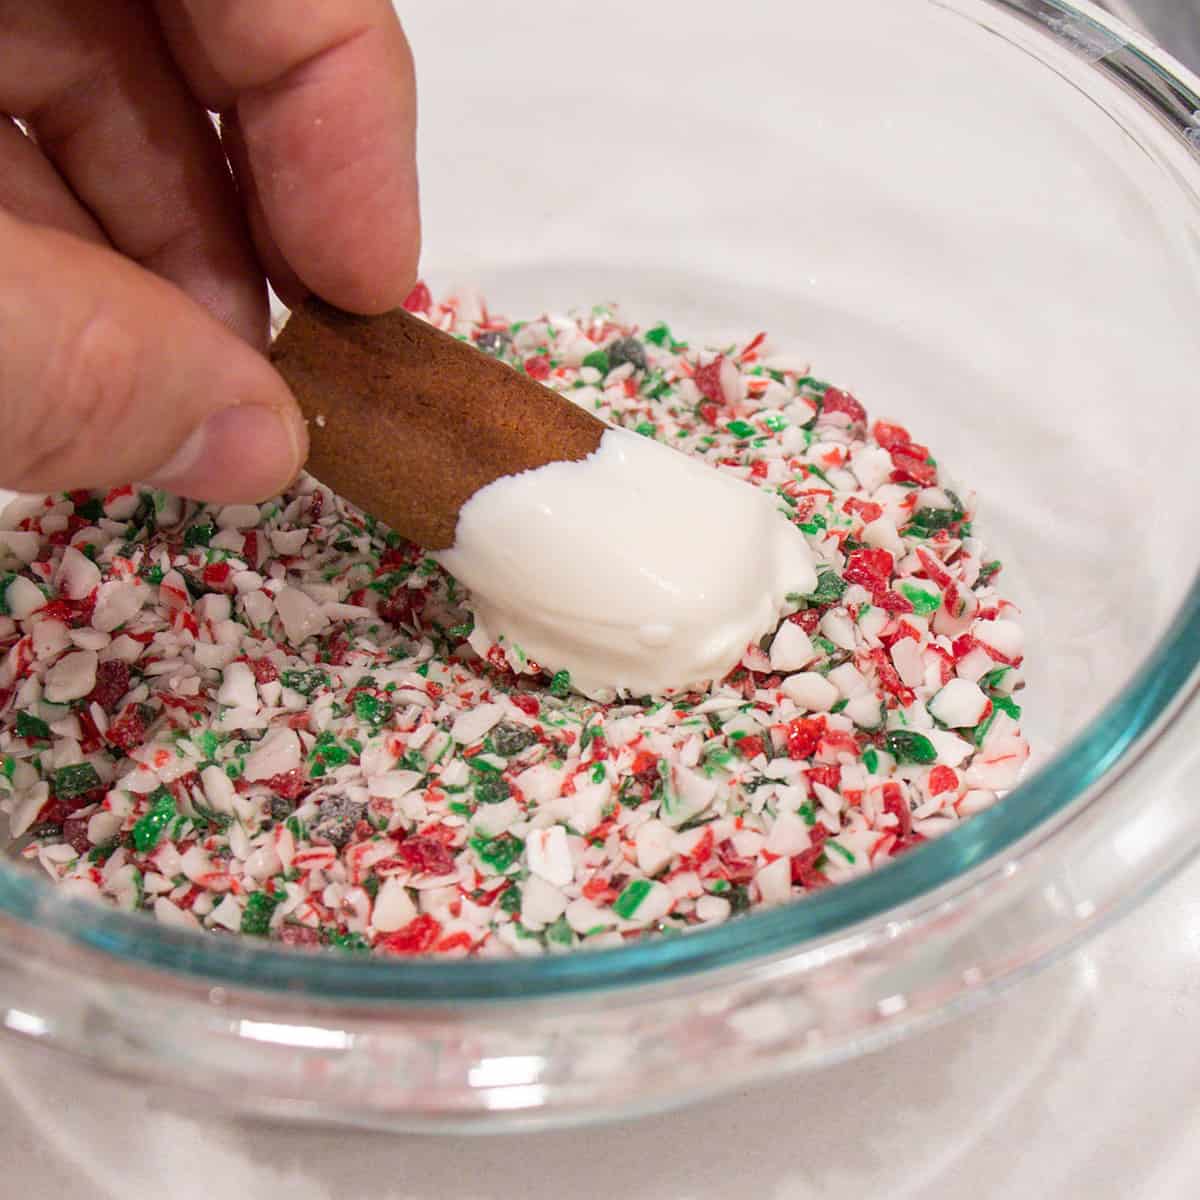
pixel 278 720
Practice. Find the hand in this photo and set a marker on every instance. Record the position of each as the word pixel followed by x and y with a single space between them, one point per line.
pixel 132 256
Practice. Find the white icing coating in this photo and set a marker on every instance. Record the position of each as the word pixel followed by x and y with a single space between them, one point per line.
pixel 638 570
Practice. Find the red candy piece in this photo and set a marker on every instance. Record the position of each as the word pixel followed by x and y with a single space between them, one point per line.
pixel 299 935
pixel 942 779
pixel 749 747
pixel 75 834
pixel 112 682
pixel 890 435
pixel 263 670
pixel 912 465
pixel 889 680
pixel 827 774
pixel 735 868
pixel 417 937
pixel 701 852
pixel 291 785
pixel 526 703
pixel 807 618
pixel 90 741
pixel 893 802
pixel 427 854
pixel 128 730
pixel 842 402
pixel 804 735
pixel 216 575
pixel 804 866
pixel 870 568
pixel 537 366
pixel 708 379
pixel 419 300
pixel 867 509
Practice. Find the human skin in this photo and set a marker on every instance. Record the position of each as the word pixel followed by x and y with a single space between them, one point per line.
pixel 136 240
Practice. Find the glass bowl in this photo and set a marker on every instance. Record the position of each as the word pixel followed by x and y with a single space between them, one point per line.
pixel 982 218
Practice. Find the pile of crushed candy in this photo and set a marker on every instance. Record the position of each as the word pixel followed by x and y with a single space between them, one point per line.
pixel 275 720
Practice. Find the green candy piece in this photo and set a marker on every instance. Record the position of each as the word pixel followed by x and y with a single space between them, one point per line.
pixel 630 900
pixel 597 359
pixel 327 752
pixel 510 739
pixel 372 711
pixel 909 747
pixel 490 789
pixel 923 602
pixel 256 916
pixel 830 589
pixel 200 535
pixel 150 827
pixel 741 429
pixel 499 853
pixel 560 685
pixel 75 780
pixel 33 728
pixel 304 682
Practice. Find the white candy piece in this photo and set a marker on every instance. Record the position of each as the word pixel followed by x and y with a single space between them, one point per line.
pixel 810 691
pixel 300 613
pixel 655 904
pixel 909 662
pixel 23 598
pixel 655 844
pixel 77 575
pixel 872 467
pixel 839 629
pixel 712 910
pixel 583 916
pixel 277 754
pixel 238 516
pixel 866 711
pixel 238 688
pixel 218 789
pixel 788 836
pixel 774 883
pixel 883 534
pixel 394 907
pixel 72 677
pixel 20 544
pixel 960 704
pixel 549 855
pixel 791 648
pixel 848 680
pixel 473 724
pixel 117 603
pixel 541 903
pixel 693 794
pixel 1007 637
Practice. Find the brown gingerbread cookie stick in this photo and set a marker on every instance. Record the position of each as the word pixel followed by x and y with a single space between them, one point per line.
pixel 409 423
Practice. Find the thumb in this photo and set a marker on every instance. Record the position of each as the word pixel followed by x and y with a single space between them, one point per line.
pixel 109 375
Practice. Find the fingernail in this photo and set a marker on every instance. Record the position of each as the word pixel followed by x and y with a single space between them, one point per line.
pixel 238 455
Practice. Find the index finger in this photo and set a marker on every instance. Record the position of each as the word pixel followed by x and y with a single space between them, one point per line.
pixel 326 103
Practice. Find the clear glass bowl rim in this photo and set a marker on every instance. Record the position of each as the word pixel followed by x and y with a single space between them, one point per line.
pixel 1112 740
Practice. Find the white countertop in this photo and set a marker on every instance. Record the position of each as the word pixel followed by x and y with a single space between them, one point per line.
pixel 1082 1082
